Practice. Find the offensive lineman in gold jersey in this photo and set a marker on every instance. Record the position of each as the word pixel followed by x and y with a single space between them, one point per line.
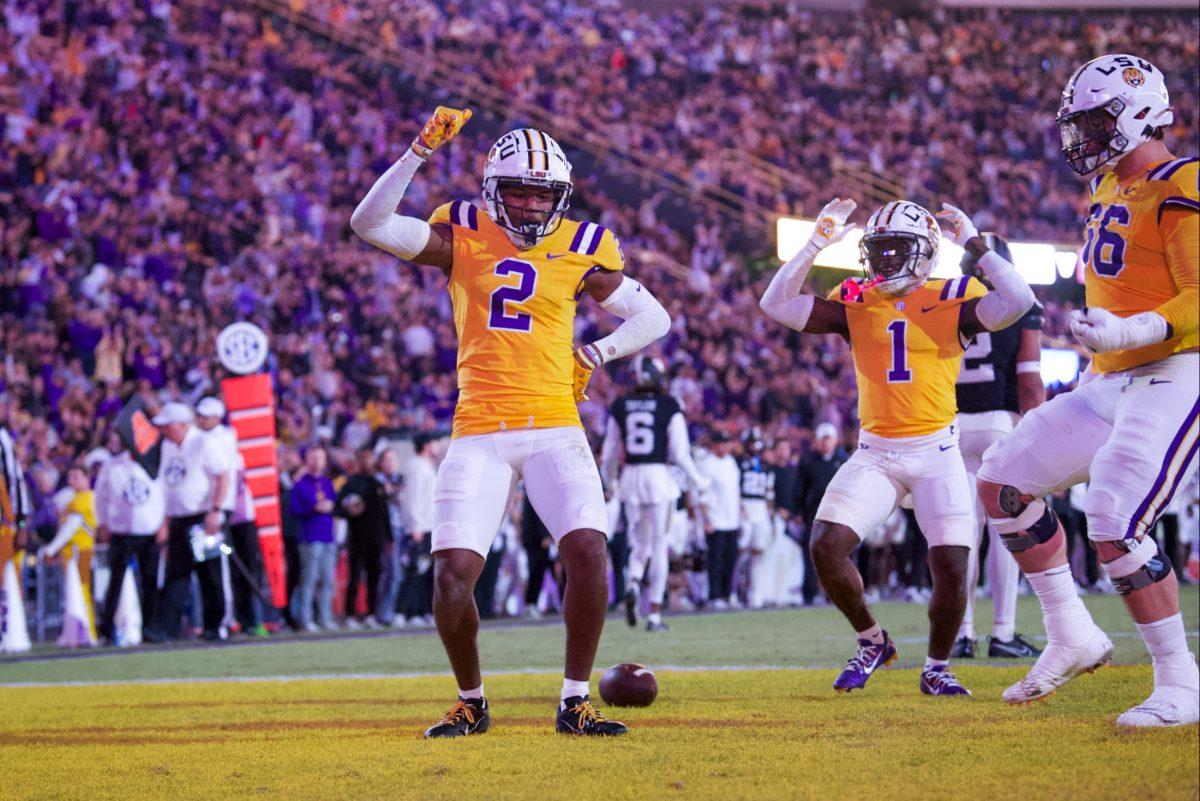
pixel 907 335
pixel 1130 429
pixel 515 273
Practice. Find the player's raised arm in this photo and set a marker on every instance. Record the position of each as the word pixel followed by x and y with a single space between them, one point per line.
pixel 1011 296
pixel 783 302
pixel 375 218
pixel 643 320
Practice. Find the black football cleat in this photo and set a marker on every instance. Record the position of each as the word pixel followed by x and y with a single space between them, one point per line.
pixel 657 626
pixel 577 716
pixel 964 648
pixel 631 606
pixel 1016 648
pixel 467 716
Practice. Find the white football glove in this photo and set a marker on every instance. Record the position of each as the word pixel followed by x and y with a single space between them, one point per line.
pixel 831 223
pixel 956 225
pixel 1101 331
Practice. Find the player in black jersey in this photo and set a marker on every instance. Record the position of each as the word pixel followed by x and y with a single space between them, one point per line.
pixel 758 495
pixel 1000 380
pixel 647 428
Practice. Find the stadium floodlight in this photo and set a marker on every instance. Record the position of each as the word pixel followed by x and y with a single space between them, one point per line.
pixel 1038 262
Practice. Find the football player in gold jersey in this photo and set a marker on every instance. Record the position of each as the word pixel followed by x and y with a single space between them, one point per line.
pixel 1130 429
pixel 515 270
pixel 907 335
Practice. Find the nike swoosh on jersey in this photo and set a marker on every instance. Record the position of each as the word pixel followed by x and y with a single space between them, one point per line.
pixel 555 255
pixel 944 447
pixel 928 308
pixel 1154 381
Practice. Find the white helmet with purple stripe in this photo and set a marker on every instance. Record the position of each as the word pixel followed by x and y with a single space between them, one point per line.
pixel 527 157
pixel 899 247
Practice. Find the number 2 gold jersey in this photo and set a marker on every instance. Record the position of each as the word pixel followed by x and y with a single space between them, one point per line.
pixel 514 311
pixel 907 353
pixel 1141 250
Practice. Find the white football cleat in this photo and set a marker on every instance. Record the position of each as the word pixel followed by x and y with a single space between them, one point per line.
pixel 1166 706
pixel 1057 665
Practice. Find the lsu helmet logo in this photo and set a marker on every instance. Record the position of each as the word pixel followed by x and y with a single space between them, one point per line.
pixel 1134 77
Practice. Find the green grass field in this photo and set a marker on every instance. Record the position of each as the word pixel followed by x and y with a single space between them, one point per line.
pixel 772 728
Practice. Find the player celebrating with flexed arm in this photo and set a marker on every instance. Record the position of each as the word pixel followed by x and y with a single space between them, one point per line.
pixel 1131 426
pixel 515 273
pixel 648 428
pixel 907 336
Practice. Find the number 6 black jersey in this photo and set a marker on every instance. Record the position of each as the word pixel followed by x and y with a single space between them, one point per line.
pixel 988 379
pixel 643 420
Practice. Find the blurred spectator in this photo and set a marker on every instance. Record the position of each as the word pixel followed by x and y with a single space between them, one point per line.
pixel 416 590
pixel 196 474
pixel 363 502
pixel 817 469
pixel 131 519
pixel 312 503
pixel 722 515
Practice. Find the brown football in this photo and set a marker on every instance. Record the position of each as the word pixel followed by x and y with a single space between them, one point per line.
pixel 628 684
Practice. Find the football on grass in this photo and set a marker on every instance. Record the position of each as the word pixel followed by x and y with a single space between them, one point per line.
pixel 628 684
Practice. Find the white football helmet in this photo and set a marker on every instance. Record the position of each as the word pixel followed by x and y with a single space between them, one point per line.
pixel 526 157
pixel 1111 105
pixel 899 247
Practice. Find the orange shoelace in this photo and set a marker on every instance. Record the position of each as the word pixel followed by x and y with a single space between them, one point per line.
pixel 586 712
pixel 460 710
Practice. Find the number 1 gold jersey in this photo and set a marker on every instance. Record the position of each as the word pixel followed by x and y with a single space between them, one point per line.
pixel 514 311
pixel 907 353
pixel 1141 251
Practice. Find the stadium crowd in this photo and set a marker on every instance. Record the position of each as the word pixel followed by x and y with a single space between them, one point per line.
pixel 166 169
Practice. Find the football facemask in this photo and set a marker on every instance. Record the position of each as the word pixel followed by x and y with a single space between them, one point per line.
pixel 1090 138
pixel 894 260
pixel 529 219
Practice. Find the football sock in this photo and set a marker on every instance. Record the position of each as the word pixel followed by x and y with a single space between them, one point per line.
pixel 1004 632
pixel 654 617
pixel 873 634
pixel 930 662
pixel 1166 640
pixel 477 693
pixel 1066 619
pixel 574 689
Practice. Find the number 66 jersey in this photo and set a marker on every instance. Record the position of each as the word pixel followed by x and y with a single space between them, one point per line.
pixel 514 311
pixel 1139 251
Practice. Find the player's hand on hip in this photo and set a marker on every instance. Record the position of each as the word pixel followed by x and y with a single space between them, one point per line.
pixel 442 126
pixel 586 360
pixel 831 222
pixel 956 225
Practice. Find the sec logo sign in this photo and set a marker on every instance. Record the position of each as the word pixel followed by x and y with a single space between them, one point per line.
pixel 242 348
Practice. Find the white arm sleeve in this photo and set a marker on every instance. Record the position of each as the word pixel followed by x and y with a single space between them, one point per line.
pixel 376 221
pixel 1010 297
pixel 610 451
pixel 645 320
pixel 782 300
pixel 65 532
pixel 679 449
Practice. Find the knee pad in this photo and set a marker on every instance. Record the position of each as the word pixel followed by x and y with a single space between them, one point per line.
pixel 1033 525
pixel 1020 521
pixel 1139 566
